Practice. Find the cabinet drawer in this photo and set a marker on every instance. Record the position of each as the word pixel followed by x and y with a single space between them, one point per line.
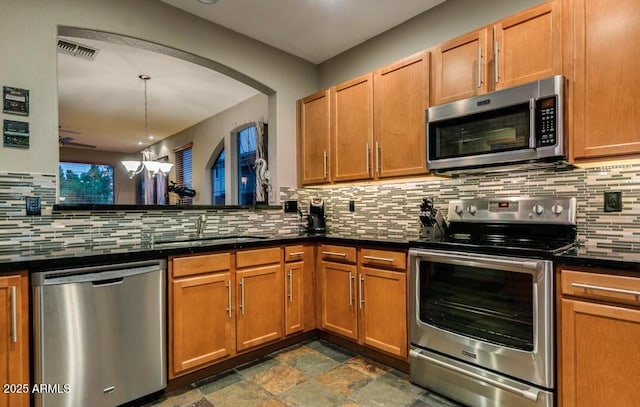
pixel 338 253
pixel 249 258
pixel 383 259
pixel 604 287
pixel 186 266
pixel 294 253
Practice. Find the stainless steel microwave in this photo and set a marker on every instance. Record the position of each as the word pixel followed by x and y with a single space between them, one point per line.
pixel 515 125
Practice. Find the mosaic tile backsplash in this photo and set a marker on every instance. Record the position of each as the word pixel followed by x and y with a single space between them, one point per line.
pixel 381 209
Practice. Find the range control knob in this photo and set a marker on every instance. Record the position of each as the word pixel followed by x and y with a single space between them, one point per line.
pixel 472 209
pixel 556 209
pixel 458 210
pixel 538 209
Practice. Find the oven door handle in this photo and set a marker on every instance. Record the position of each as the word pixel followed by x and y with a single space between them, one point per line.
pixel 479 261
pixel 529 394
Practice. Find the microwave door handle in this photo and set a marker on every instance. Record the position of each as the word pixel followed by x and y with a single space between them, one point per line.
pixel 532 124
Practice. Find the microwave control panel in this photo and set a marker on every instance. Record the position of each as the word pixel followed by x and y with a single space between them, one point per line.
pixel 546 121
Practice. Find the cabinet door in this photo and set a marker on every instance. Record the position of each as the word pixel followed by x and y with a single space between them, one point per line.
pixel 202 321
pixel 459 68
pixel 401 95
pixel 607 84
pixel 352 129
pixel 338 302
pixel 600 357
pixel 313 138
pixel 382 298
pixel 528 46
pixel 14 340
pixel 294 299
pixel 260 304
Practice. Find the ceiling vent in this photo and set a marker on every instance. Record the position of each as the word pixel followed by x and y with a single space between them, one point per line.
pixel 77 50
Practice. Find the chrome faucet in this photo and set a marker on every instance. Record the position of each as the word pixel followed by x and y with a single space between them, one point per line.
pixel 201 221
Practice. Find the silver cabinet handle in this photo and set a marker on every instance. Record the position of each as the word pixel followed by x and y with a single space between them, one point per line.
pixel 376 258
pixel 290 285
pixel 14 313
pixel 378 157
pixel 366 156
pixel 296 254
pixel 324 164
pixel 529 394
pixel 606 289
pixel 360 297
pixel 350 289
pixel 242 295
pixel 334 254
pixel 496 65
pixel 479 67
pixel 229 299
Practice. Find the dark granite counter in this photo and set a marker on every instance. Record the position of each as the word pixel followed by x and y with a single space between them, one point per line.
pixel 51 258
pixel 601 257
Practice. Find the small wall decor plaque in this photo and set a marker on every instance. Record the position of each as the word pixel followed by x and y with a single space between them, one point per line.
pixel 15 134
pixel 15 101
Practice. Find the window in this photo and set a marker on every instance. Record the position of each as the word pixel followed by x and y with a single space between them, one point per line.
pixel 218 189
pixel 246 143
pixel 184 170
pixel 82 183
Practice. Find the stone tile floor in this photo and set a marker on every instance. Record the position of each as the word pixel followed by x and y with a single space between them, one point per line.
pixel 311 374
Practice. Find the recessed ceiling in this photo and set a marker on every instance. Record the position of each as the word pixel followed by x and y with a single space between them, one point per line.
pixel 101 101
pixel 315 30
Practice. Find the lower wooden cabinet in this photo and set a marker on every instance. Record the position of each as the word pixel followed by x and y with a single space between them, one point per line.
pixel 259 318
pixel 600 337
pixel 367 301
pixel 14 338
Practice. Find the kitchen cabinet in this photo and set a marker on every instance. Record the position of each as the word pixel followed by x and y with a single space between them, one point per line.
pixel 460 68
pixel 14 339
pixel 201 313
pixel 352 129
pixel 599 331
pixel 604 51
pixel 337 279
pixel 401 95
pixel 519 49
pixel 259 297
pixel 365 300
pixel 527 46
pixel 383 301
pixel 299 275
pixel 314 131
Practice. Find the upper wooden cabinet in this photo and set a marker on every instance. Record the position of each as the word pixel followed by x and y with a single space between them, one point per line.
pixel 527 46
pixel 352 128
pixel 401 95
pixel 519 49
pixel 314 138
pixel 606 83
pixel 460 68
pixel 14 337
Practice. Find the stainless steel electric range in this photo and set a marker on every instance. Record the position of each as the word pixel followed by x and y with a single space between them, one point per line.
pixel 482 301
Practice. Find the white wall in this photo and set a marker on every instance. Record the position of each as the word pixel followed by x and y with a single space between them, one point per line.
pixel 206 136
pixel 28 31
pixel 124 189
pixel 444 22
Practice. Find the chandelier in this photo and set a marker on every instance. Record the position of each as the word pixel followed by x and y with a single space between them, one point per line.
pixel 154 167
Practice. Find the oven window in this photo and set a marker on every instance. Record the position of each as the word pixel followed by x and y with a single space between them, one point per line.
pixel 490 305
pixel 489 132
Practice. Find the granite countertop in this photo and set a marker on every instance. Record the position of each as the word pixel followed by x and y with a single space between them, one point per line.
pixel 54 257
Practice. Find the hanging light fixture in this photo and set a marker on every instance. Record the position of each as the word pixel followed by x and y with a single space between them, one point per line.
pixel 154 167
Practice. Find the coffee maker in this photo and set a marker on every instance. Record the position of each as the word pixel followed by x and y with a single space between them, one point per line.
pixel 316 216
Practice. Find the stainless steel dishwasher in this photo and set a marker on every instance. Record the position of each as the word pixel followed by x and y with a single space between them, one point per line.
pixel 99 334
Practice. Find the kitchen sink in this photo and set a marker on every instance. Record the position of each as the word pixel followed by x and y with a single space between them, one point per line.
pixel 208 241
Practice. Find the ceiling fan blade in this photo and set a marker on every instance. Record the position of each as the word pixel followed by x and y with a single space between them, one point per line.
pixel 72 144
pixel 62 130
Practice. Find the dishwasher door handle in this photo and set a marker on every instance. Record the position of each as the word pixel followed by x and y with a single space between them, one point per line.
pixel 107 282
pixel 100 275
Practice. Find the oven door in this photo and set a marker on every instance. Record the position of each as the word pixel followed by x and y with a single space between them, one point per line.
pixel 491 311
